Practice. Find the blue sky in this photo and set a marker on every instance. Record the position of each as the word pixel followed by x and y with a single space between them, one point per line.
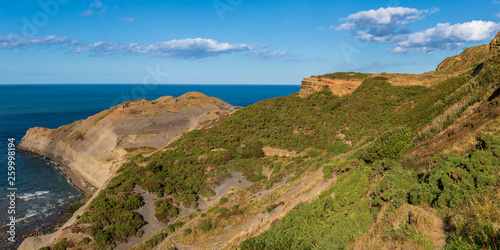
pixel 231 41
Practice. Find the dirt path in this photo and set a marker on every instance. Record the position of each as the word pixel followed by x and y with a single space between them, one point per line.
pixel 148 214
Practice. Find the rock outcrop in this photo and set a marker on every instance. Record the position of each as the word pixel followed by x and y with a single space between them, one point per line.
pixel 338 87
pixel 89 151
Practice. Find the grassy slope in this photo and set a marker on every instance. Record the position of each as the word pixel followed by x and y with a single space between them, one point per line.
pixel 322 122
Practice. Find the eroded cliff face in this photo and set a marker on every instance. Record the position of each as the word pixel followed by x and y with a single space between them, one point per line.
pixel 89 151
pixel 338 87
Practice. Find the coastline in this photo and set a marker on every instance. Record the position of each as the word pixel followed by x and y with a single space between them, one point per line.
pixel 77 181
pixel 46 225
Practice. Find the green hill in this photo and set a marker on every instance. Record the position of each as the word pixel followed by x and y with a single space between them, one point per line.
pixel 404 161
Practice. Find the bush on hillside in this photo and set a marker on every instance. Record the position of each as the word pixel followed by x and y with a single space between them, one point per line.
pixel 253 150
pixel 165 210
pixel 204 226
pixel 455 179
pixel 390 145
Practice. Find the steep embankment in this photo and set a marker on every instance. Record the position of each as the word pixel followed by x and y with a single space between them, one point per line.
pixel 89 151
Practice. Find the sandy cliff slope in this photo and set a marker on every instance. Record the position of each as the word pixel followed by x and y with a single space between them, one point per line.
pixel 89 151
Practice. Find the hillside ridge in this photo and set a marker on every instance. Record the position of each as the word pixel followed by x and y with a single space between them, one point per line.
pixel 353 160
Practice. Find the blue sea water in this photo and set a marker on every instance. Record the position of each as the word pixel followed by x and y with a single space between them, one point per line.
pixel 41 187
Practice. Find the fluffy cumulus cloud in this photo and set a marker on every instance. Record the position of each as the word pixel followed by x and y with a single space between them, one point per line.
pixel 181 49
pixel 447 36
pixel 380 25
pixel 387 25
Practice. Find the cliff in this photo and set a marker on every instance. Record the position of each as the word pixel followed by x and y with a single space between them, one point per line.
pixel 89 151
pixel 338 87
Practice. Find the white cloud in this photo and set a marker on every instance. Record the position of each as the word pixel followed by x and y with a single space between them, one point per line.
pixel 446 36
pixel 498 14
pixel 20 42
pixel 188 48
pixel 180 48
pixel 380 25
pixel 387 25
pixel 130 19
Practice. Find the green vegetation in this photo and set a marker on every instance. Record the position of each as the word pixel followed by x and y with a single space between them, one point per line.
pixel 204 226
pixel 390 145
pixel 455 180
pixel 155 240
pixel 85 241
pixel 173 227
pixel 345 75
pixel 187 231
pixel 326 222
pixel 111 212
pixel 77 205
pixel 61 245
pixel 164 210
pixel 343 213
pixel 223 200
pixel 362 141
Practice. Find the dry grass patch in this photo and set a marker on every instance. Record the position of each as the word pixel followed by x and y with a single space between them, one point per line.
pixel 409 227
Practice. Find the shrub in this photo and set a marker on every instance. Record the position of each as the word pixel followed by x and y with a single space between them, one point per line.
pixel 165 210
pixel 455 179
pixel 391 145
pixel 204 226
pixel 155 240
pixel 74 207
pixel 85 241
pixel 223 200
pixel 313 153
pixel 61 245
pixel 339 148
pixel 256 177
pixel 221 210
pixel 253 149
pixel 172 227
pixel 44 248
pixel 187 231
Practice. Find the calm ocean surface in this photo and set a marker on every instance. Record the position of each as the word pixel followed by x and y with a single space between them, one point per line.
pixel 41 188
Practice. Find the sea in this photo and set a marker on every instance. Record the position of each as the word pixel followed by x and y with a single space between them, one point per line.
pixel 41 190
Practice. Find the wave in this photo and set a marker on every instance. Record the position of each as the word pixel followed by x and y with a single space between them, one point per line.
pixel 32 196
